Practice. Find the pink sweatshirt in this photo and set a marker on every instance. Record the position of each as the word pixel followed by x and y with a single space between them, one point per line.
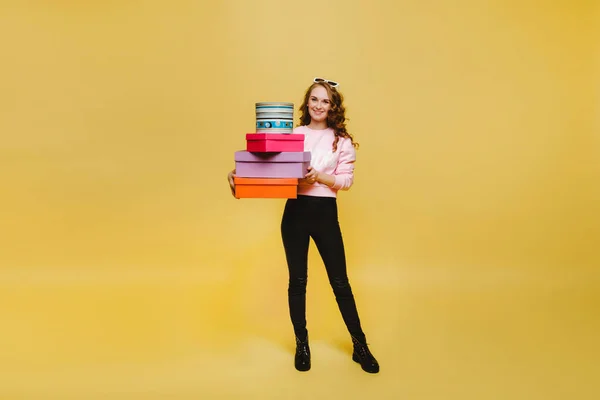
pixel 339 164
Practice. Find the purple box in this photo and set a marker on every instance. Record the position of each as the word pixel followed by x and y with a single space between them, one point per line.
pixel 287 164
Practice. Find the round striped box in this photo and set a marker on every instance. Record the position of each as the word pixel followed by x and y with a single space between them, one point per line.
pixel 274 117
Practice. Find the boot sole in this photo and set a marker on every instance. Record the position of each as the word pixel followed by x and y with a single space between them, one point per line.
pixel 356 359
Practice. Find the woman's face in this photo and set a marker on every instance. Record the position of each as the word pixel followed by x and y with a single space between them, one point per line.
pixel 319 104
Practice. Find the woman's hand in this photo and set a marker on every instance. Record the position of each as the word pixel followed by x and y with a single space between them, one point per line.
pixel 312 176
pixel 231 182
pixel 315 176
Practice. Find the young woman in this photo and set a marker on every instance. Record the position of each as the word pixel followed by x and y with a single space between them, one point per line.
pixel 314 214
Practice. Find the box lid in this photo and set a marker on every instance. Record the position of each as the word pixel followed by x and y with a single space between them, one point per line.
pixel 274 157
pixel 275 136
pixel 265 181
pixel 274 104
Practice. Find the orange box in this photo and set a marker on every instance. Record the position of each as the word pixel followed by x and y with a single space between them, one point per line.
pixel 273 188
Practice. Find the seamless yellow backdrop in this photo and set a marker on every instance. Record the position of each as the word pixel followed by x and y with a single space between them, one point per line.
pixel 127 269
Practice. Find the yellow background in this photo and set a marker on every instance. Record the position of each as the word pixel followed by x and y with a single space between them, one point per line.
pixel 127 269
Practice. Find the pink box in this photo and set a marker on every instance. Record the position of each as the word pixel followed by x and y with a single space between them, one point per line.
pixel 274 142
pixel 272 165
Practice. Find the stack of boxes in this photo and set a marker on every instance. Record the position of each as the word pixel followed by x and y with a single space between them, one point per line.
pixel 274 158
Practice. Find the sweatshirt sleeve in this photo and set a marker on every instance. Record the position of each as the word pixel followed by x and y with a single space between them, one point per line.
pixel 344 172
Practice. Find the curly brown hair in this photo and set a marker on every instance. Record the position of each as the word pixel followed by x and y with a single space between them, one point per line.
pixel 336 117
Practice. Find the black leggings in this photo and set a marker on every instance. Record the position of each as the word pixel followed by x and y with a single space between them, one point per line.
pixel 316 217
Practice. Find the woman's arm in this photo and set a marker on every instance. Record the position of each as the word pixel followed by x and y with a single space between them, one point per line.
pixel 325 179
pixel 343 176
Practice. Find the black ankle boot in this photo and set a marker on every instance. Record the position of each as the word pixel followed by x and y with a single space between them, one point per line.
pixel 302 358
pixel 363 356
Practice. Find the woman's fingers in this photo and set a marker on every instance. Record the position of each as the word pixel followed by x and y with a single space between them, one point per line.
pixel 231 182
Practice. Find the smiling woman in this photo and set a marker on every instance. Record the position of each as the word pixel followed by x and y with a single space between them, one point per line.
pixel 314 214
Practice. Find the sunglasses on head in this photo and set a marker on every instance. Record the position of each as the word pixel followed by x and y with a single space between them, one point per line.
pixel 330 83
